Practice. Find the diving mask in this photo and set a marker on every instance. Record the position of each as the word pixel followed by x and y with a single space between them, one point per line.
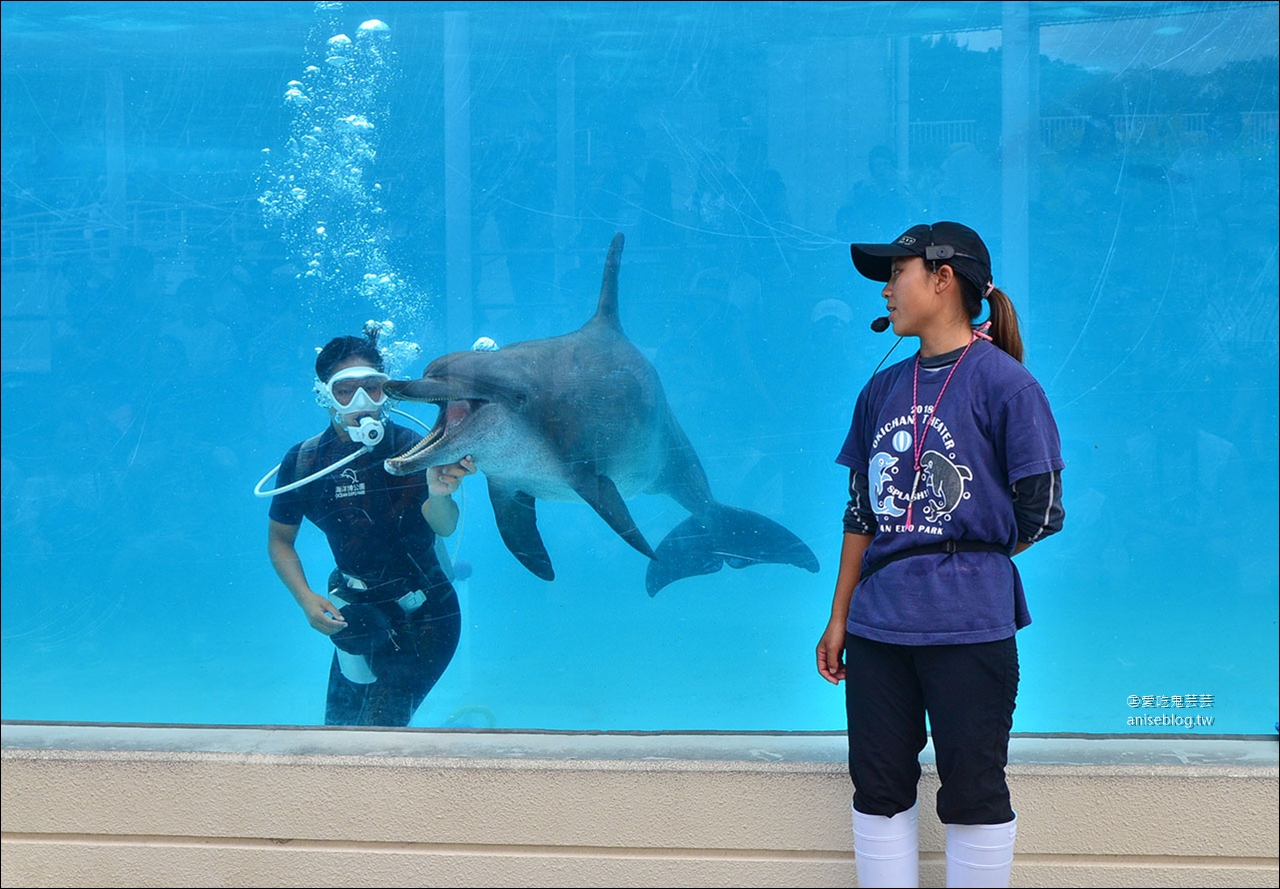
pixel 354 390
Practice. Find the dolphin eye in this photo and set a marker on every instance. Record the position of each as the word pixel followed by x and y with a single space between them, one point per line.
pixel 522 400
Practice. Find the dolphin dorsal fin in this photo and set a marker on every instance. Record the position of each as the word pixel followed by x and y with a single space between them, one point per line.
pixel 607 308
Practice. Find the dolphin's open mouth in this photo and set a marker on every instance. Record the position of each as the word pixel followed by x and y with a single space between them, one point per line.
pixel 453 414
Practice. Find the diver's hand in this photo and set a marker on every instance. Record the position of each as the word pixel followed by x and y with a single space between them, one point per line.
pixel 323 614
pixel 831 651
pixel 444 480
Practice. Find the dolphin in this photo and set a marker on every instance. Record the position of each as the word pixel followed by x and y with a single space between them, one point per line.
pixel 883 503
pixel 945 481
pixel 583 417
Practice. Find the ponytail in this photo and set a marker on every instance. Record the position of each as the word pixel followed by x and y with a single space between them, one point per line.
pixel 1004 324
pixel 1004 330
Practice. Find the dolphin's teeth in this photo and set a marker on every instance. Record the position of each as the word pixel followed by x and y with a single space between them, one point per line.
pixel 430 439
pixel 452 413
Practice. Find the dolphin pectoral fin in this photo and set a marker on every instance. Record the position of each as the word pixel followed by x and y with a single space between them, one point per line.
pixel 518 525
pixel 602 495
pixel 738 537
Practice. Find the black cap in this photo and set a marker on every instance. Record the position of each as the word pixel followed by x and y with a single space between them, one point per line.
pixel 947 242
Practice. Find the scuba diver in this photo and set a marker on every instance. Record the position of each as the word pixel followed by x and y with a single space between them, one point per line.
pixel 389 607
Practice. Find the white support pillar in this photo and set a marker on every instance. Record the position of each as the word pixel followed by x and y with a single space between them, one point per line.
pixel 902 106
pixel 565 226
pixel 458 312
pixel 116 193
pixel 1020 123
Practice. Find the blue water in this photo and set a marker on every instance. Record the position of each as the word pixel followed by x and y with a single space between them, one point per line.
pixel 164 290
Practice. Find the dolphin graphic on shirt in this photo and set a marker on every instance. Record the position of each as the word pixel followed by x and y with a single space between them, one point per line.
pixel 882 504
pixel 944 480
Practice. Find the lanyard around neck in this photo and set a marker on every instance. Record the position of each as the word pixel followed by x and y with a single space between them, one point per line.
pixel 917 440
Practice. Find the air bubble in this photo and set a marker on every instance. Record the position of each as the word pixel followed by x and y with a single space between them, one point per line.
pixel 327 166
pixel 357 122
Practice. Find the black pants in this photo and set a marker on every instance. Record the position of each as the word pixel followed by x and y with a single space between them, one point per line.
pixel 425 642
pixel 968 692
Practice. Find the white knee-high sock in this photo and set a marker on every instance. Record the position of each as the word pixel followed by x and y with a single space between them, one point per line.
pixel 887 849
pixel 980 855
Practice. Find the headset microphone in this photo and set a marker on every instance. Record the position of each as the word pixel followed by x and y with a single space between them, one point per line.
pixel 880 325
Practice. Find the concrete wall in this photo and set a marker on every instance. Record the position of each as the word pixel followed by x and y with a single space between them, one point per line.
pixel 154 806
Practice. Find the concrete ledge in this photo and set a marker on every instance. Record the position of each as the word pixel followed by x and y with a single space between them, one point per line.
pixel 173 806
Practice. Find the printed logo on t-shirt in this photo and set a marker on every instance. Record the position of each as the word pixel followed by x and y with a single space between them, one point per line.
pixel 351 485
pixel 933 492
pixel 944 481
pixel 883 468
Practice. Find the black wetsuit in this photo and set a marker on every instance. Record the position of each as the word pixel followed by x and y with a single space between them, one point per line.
pixel 384 549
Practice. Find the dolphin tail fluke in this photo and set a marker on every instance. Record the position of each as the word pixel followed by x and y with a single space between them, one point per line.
pixel 735 536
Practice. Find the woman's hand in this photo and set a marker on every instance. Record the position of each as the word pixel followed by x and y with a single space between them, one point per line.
pixel 444 480
pixel 831 652
pixel 323 614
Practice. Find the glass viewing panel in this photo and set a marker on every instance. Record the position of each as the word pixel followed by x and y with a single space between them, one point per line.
pixel 198 196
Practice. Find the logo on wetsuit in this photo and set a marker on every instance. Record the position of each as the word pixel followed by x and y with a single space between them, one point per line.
pixel 351 486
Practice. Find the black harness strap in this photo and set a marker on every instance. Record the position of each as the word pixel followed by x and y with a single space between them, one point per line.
pixel 307 456
pixel 945 546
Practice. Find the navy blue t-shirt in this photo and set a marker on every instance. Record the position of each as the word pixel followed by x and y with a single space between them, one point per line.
pixel 993 427
pixel 372 519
